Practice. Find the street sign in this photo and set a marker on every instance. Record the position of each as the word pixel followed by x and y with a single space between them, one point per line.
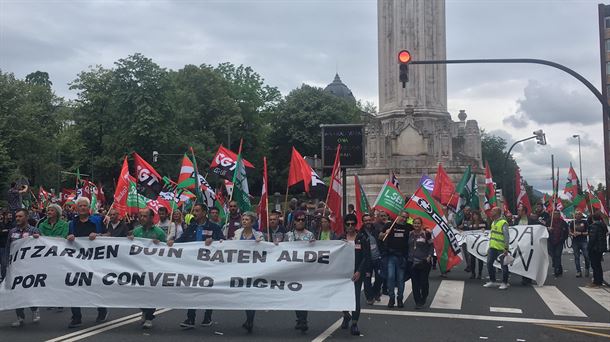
pixel 351 138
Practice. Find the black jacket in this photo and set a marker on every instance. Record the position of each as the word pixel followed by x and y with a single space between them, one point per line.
pixel 209 228
pixel 597 237
pixel 362 262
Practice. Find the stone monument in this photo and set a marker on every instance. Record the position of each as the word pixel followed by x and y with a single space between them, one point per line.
pixel 413 131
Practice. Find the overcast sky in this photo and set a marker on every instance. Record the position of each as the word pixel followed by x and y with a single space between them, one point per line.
pixel 292 42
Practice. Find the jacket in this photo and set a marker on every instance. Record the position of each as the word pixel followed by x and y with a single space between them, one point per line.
pixel 208 228
pixel 59 229
pixel 362 255
pixel 597 237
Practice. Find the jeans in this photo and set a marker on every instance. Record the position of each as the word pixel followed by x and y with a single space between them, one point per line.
pixel 356 312
pixel 21 312
pixel 473 263
pixel 555 254
pixel 149 314
pixel 301 316
pixel 578 247
pixel 192 313
pixel 76 313
pixel 250 316
pixel 596 266
pixel 492 255
pixel 396 275
pixel 371 291
pixel 419 280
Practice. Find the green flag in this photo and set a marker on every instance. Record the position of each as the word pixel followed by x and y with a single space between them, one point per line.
pixel 134 199
pixel 241 192
pixel 390 200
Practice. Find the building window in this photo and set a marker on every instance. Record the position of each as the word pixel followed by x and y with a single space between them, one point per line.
pixel 608 45
pixel 608 90
pixel 608 22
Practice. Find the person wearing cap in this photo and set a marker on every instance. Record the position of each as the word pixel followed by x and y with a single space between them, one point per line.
pixel 362 267
pixel 300 233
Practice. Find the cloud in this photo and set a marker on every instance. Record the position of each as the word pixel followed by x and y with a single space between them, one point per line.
pixel 585 141
pixel 517 121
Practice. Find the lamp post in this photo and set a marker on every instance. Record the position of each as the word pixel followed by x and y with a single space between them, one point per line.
pixel 579 160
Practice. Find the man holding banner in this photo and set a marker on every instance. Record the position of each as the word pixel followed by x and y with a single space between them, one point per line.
pixel 499 239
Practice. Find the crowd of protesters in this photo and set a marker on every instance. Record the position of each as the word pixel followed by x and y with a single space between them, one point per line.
pixel 388 253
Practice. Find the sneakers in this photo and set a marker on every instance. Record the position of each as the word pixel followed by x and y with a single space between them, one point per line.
pixel 391 302
pixel 207 322
pixel 503 286
pixel 490 284
pixel 75 323
pixel 147 324
pixel 346 319
pixel 301 325
pixel 354 330
pixel 370 301
pixel 593 286
pixel 18 323
pixel 400 303
pixel 35 316
pixel 578 275
pixel 248 325
pixel 101 317
pixel 188 324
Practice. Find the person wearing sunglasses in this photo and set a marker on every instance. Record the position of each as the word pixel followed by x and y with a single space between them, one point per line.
pixel 300 233
pixel 362 267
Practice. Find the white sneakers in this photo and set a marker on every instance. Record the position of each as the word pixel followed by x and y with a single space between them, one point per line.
pixel 18 323
pixel 35 316
pixel 147 324
pixel 503 286
pixel 491 284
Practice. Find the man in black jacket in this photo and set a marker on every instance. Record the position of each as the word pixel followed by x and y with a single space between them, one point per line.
pixel 362 266
pixel 597 247
pixel 203 230
pixel 396 241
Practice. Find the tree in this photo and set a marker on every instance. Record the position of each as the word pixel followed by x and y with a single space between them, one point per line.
pixel 296 122
pixel 493 150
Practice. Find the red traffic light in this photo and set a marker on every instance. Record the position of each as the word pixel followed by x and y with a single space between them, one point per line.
pixel 404 56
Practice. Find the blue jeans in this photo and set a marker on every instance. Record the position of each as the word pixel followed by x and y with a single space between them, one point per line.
pixel 580 247
pixel 491 257
pixel 396 275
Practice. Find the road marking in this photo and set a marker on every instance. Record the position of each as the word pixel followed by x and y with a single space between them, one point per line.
pixel 407 293
pixel 594 333
pixel 449 295
pixel 79 335
pixel 487 318
pixel 505 310
pixel 324 335
pixel 601 296
pixel 559 304
pixel 94 327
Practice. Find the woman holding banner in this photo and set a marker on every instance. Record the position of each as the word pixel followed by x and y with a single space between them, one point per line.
pixel 247 233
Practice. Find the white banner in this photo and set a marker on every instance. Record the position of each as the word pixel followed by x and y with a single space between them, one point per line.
pixel 527 246
pixel 117 272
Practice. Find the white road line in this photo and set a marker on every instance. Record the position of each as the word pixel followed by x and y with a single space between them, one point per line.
pixel 407 293
pixel 487 318
pixel 78 335
pixel 505 310
pixel 601 296
pixel 449 295
pixel 324 335
pixel 559 304
pixel 94 327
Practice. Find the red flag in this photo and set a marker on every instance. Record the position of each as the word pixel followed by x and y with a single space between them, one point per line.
pixel 522 198
pixel 122 190
pixel 146 174
pixel 263 205
pixel 44 198
pixel 300 171
pixel 225 161
pixel 362 203
pixel 335 196
pixel 65 194
pixel 101 196
pixel 490 191
pixel 505 207
pixel 444 189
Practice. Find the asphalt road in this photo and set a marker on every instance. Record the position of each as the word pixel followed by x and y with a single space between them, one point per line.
pixel 562 310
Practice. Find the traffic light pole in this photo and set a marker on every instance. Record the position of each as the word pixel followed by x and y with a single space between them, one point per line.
pixel 591 87
pixel 504 182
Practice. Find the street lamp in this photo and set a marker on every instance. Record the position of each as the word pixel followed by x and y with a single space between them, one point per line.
pixel 579 159
pixel 540 140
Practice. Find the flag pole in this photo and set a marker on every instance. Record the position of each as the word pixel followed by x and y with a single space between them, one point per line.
pixel 236 170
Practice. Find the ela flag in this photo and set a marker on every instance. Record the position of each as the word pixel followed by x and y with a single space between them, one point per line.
pixel 263 205
pixel 241 192
pixel 490 192
pixel 335 196
pixel 147 175
pixel 362 203
pixel 446 244
pixel 444 189
pixel 390 200
pixel 225 163
pixel 522 198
